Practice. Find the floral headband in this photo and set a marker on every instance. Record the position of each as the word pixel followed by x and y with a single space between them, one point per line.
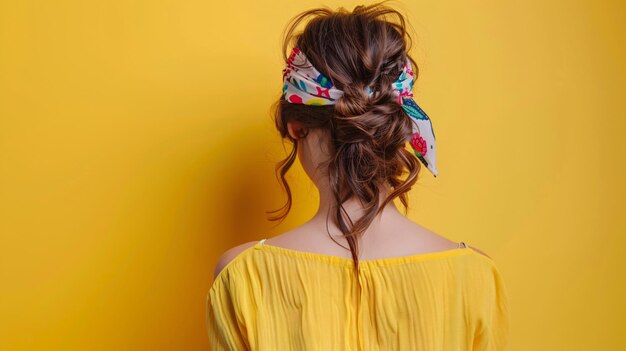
pixel 303 84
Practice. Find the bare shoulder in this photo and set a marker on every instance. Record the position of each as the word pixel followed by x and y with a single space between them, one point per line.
pixel 479 251
pixel 230 255
pixel 438 241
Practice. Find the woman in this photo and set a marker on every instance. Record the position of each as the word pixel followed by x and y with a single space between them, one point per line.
pixel 359 275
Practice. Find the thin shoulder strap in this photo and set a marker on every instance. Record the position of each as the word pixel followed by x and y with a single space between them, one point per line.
pixel 463 245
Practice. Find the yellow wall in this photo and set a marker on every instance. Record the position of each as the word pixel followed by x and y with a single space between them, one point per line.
pixel 136 145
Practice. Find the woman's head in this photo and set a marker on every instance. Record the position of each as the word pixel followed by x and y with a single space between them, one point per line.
pixel 355 147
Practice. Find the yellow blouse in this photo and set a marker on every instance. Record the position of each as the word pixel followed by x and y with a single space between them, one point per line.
pixel 279 299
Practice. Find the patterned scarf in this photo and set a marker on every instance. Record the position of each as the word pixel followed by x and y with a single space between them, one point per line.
pixel 303 84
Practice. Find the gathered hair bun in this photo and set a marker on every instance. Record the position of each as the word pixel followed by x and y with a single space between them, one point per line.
pixel 376 122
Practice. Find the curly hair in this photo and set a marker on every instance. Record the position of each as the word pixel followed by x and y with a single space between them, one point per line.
pixel 368 133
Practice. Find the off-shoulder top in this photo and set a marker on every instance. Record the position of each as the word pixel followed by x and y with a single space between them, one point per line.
pixel 274 298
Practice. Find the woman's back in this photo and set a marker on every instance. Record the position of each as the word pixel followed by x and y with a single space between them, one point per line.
pixel 273 298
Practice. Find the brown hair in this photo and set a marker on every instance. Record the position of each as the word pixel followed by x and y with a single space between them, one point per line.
pixel 368 134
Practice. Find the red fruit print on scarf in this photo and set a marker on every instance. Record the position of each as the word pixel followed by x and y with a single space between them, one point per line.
pixel 419 144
